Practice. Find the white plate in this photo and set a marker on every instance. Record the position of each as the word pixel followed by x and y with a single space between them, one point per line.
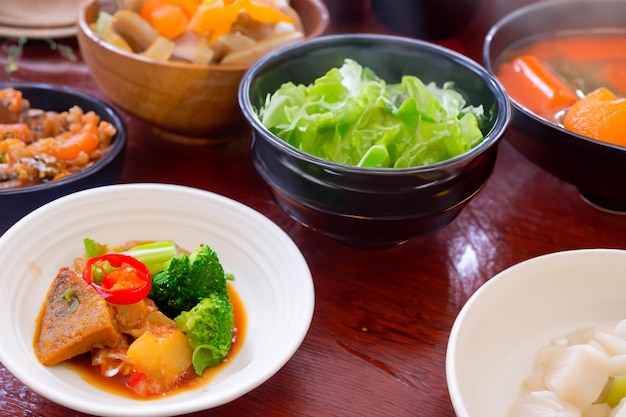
pixel 38 32
pixel 38 19
pixel 496 337
pixel 271 277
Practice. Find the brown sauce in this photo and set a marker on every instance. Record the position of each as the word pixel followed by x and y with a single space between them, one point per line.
pixel 117 385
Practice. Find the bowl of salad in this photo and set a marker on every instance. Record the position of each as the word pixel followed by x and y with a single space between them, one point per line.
pixel 372 139
pixel 545 337
pixel 166 302
pixel 177 65
pixel 55 141
pixel 562 64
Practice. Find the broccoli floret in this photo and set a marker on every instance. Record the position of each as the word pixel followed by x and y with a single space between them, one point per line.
pixel 209 328
pixel 187 280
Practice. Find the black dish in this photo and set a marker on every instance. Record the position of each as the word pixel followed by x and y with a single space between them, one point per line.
pixel 597 169
pixel 372 207
pixel 17 202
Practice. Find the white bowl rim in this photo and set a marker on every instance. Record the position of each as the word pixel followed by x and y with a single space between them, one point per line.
pixel 489 287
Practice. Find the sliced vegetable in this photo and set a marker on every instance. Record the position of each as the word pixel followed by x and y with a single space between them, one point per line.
pixel 247 56
pixel 535 86
pixel 599 115
pixel 93 248
pixel 118 278
pixel 155 255
pixel 169 17
pixel 160 50
pixel 216 18
pixel 137 32
pixel 351 116
pixel 616 391
pixel 70 144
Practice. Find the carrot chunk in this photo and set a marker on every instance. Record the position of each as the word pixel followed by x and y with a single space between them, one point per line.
pixel 600 115
pixel 533 85
pixel 166 16
pixel 70 144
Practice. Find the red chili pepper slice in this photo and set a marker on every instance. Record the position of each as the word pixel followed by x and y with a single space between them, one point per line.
pixel 125 280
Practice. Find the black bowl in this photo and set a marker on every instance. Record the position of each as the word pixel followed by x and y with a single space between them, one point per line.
pixel 594 167
pixel 372 207
pixel 17 202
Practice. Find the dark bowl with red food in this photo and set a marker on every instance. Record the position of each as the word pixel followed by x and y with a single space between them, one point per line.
pixel 372 207
pixel 583 44
pixel 36 174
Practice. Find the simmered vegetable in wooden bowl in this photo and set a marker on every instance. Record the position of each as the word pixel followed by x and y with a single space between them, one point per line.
pixel 186 86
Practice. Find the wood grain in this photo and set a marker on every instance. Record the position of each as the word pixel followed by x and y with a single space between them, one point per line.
pixel 377 342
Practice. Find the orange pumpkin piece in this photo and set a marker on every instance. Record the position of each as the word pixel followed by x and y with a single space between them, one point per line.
pixel 600 115
pixel 215 18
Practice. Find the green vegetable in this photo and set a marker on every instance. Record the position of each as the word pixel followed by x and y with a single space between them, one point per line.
pixel 187 280
pixel 351 116
pixel 615 391
pixel 155 255
pixel 102 22
pixel 93 248
pixel 209 328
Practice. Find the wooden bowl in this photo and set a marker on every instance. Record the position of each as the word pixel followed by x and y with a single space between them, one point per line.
pixel 186 103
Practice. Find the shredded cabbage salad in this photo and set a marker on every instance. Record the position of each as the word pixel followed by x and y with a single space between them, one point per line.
pixel 351 116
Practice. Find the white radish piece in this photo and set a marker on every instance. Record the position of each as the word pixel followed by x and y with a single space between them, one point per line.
pixel 543 404
pixel 578 374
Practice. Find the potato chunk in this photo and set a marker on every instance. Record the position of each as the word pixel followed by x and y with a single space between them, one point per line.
pixel 162 354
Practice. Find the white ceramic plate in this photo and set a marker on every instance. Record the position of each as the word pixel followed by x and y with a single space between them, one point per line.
pixel 271 277
pixel 496 336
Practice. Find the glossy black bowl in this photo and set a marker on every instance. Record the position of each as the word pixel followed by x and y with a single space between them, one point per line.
pixel 17 202
pixel 372 207
pixel 597 169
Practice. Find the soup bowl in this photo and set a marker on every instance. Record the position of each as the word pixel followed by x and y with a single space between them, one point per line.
pixel 372 207
pixel 595 168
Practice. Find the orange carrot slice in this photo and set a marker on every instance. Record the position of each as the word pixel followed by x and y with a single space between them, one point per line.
pixel 600 115
pixel 70 144
pixel 533 85
pixel 16 130
pixel 166 16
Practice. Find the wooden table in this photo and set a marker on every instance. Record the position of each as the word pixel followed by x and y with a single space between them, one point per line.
pixel 377 343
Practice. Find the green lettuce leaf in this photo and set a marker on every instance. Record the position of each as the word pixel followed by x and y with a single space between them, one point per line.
pixel 351 116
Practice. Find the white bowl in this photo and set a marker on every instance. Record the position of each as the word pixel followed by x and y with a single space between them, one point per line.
pixel 495 339
pixel 271 277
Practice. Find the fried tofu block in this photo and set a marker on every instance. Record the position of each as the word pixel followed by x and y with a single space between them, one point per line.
pixel 72 320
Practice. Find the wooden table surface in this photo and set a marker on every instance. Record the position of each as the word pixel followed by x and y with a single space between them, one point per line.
pixel 377 343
